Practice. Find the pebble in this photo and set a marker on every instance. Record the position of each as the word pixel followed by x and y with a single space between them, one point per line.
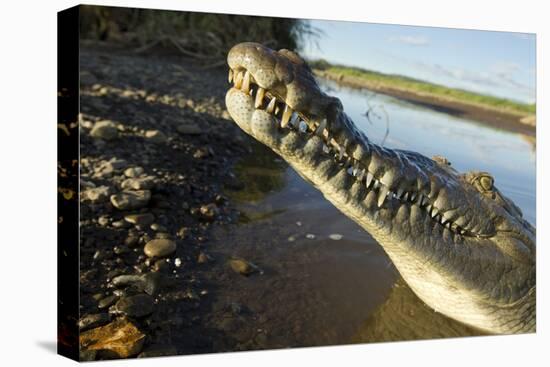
pixel 202 258
pixel 209 211
pixel 144 219
pixel 148 283
pixel 103 221
pixel 143 183
pixel 107 168
pixel 335 236
pixel 310 236
pixel 243 267
pixel 201 153
pixel 134 172
pixel 120 224
pixel 131 241
pixel 177 262
pixel 139 305
pixel 156 136
pixel 159 248
pixel 107 302
pixel 105 130
pixel 158 227
pixel 131 200
pixel 119 339
pixel 93 320
pixel 97 194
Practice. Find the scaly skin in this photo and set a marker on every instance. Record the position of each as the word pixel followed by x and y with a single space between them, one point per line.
pixel 461 245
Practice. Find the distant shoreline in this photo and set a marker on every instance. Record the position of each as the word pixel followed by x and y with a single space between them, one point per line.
pixel 509 120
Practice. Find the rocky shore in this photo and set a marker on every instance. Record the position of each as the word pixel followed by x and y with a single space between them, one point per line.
pixel 157 149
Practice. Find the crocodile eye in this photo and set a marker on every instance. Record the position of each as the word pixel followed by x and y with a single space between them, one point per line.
pixel 487 182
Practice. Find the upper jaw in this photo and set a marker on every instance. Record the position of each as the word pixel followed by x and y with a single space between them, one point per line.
pixel 269 87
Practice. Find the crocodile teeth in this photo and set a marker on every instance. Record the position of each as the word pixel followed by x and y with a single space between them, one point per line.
pixel 271 106
pixel 369 178
pixel 239 80
pixel 423 200
pixel 286 116
pixel 230 76
pixel 382 195
pixel 341 152
pixel 259 97
pixel 361 174
pixel 406 196
pixel 399 193
pixel 246 82
pixel 321 128
pixel 413 196
pixel 434 212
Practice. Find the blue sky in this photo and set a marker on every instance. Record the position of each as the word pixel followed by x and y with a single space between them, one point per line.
pixel 502 64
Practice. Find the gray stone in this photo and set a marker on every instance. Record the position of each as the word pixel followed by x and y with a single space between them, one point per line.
pixel 106 302
pixel 143 183
pixel 159 248
pixel 105 130
pixel 148 283
pixel 139 305
pixel 144 219
pixel 92 321
pixel 131 200
pixel 155 136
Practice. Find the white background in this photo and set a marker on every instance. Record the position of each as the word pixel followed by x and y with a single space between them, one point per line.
pixel 28 182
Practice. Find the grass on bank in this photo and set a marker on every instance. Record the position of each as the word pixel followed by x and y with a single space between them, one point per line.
pixel 415 85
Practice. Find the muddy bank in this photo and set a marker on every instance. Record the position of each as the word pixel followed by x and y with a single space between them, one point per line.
pixel 501 119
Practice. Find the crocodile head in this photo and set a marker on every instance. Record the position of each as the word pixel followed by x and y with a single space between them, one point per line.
pixel 461 245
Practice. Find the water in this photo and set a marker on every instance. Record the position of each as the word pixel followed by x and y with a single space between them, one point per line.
pixel 316 290
pixel 468 145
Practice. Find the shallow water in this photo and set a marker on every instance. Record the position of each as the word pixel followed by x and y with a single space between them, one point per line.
pixel 321 289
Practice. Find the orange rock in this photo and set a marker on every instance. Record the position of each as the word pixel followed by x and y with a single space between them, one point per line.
pixel 119 339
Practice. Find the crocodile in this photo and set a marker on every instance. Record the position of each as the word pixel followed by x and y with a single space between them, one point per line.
pixel 459 243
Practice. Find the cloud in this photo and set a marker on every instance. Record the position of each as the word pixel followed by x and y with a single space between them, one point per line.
pixel 524 36
pixel 410 40
pixel 500 76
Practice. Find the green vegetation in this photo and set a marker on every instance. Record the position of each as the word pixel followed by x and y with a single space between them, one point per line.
pixel 410 84
pixel 203 36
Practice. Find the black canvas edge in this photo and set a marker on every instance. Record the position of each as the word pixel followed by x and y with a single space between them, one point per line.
pixel 68 163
